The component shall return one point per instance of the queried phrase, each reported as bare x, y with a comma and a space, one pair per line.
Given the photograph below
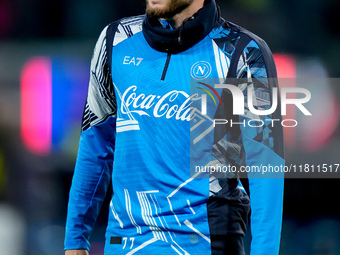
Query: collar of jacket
188, 34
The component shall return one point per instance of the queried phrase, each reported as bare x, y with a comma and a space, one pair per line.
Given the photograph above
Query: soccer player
143, 127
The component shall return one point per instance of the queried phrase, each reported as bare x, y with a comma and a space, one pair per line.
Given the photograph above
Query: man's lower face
166, 8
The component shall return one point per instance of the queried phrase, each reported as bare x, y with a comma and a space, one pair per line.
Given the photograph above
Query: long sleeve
94, 162
263, 146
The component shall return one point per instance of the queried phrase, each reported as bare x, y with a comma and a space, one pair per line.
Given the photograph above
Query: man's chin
158, 11
157, 8
165, 9
159, 14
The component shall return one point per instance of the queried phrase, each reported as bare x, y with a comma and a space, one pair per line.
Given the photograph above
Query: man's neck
177, 20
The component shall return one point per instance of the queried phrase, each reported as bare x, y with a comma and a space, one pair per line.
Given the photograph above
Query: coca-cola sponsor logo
174, 104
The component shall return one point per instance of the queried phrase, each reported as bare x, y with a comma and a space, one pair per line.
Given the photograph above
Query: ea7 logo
132, 61
238, 100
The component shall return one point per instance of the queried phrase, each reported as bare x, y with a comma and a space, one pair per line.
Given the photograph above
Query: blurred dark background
45, 52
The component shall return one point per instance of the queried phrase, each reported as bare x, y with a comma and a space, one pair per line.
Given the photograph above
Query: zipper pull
179, 39
180, 36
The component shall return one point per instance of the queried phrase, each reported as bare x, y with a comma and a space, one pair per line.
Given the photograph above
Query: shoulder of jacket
248, 35
131, 21
124, 28
230, 31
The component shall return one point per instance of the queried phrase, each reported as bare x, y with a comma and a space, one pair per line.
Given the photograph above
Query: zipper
179, 42
167, 62
181, 28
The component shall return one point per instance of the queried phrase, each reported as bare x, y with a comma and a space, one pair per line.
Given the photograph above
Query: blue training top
143, 125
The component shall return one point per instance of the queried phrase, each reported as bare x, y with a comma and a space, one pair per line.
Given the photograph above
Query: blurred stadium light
36, 105
53, 91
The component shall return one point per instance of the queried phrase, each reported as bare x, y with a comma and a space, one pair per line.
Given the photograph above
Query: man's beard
171, 8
